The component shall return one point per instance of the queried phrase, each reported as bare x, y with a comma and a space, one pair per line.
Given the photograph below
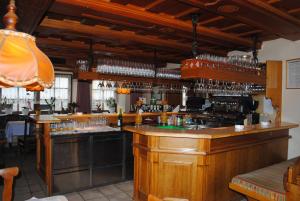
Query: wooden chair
293, 182
27, 142
8, 175
154, 198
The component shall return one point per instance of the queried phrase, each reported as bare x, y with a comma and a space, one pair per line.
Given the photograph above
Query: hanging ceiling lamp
22, 63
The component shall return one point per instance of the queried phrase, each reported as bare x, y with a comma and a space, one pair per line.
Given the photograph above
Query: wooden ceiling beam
181, 35
249, 33
186, 12
145, 16
271, 9
214, 19
121, 36
153, 4
253, 23
81, 46
294, 10
273, 1
232, 26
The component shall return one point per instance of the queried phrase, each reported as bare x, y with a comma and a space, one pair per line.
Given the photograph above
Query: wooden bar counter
199, 164
47, 148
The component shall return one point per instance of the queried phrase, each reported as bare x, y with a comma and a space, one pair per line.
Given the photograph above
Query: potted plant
111, 104
51, 104
6, 106
25, 110
72, 107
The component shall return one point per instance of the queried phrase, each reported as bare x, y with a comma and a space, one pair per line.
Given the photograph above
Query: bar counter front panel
72, 162
199, 168
78, 161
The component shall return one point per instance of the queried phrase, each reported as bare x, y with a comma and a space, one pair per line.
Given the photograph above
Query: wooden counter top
209, 133
56, 118
43, 119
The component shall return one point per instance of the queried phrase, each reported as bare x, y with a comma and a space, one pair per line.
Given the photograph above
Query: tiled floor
28, 184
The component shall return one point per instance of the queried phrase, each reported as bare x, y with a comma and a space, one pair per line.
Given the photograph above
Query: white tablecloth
15, 128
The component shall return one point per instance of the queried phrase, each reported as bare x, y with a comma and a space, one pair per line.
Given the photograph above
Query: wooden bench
279, 182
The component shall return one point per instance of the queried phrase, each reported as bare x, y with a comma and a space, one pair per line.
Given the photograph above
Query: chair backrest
293, 182
15, 117
294, 173
31, 123
8, 175
2, 122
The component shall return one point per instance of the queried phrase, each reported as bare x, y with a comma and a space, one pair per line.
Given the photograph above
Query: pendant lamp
22, 63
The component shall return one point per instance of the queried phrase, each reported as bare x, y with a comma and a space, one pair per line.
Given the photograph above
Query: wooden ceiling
136, 28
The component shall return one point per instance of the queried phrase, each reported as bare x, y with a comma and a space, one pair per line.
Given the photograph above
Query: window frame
101, 100
70, 91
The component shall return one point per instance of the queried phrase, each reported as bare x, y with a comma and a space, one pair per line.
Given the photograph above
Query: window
100, 94
61, 90
18, 97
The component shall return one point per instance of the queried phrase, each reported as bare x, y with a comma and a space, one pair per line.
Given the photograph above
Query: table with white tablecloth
15, 128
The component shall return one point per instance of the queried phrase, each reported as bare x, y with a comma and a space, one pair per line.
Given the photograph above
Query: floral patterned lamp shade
22, 63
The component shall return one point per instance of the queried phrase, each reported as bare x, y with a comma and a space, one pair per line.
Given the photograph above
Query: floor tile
74, 197
125, 186
109, 190
118, 196
99, 199
91, 194
35, 188
22, 190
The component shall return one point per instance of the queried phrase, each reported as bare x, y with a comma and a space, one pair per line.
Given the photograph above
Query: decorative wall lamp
22, 63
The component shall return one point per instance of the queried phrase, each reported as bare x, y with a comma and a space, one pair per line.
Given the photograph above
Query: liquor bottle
120, 119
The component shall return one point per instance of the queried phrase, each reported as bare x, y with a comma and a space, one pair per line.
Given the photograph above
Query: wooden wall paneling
274, 86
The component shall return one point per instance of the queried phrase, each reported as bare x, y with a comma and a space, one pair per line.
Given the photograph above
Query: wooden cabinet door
274, 85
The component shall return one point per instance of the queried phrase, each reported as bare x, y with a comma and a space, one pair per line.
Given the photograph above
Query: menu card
293, 74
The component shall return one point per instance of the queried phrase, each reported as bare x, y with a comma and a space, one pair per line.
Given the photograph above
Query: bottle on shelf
120, 119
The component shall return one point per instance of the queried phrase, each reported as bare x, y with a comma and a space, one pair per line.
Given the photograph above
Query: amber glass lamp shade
121, 90
22, 63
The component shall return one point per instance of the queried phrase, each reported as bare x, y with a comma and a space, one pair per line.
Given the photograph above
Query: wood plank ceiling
136, 28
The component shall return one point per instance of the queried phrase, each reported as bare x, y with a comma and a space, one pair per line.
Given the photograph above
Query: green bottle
120, 118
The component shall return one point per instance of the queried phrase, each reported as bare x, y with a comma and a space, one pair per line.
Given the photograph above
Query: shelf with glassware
230, 69
88, 75
122, 70
235, 76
